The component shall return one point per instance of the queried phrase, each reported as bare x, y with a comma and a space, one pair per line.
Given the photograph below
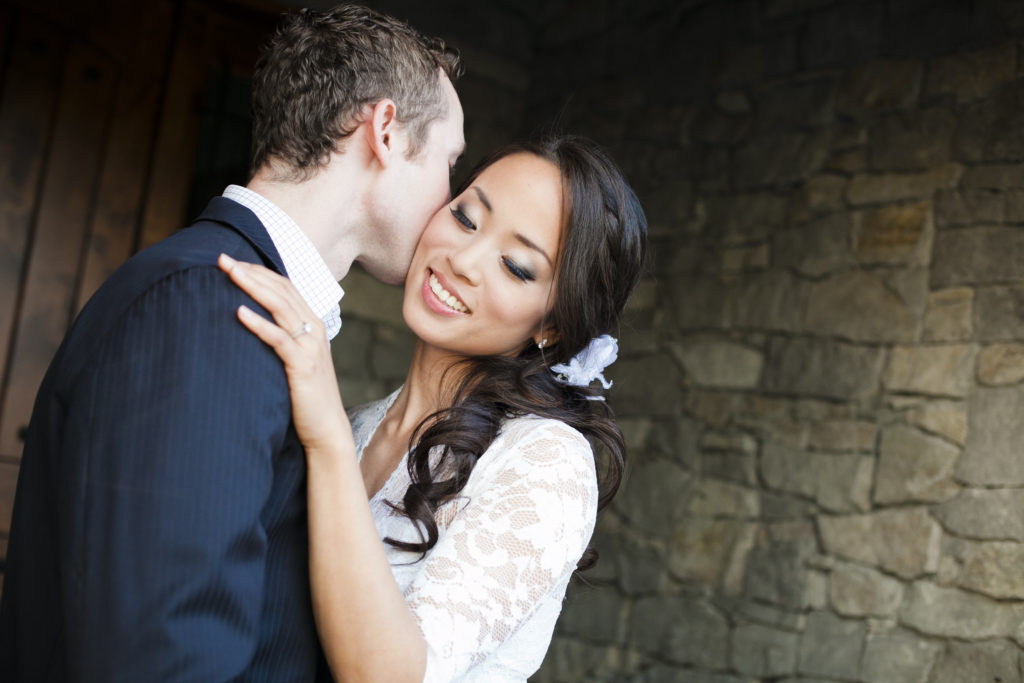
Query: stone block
831, 647
800, 103
836, 482
982, 661
953, 613
991, 129
842, 35
595, 614
822, 368
847, 162
913, 140
895, 234
880, 85
903, 541
992, 453
369, 299
857, 305
740, 259
734, 467
997, 176
781, 159
701, 303
843, 436
898, 656
742, 218
824, 192
646, 386
713, 498
657, 516
772, 300
719, 363
728, 442
570, 660
776, 507
1001, 364
777, 571
968, 208
816, 248
712, 551
764, 652
969, 76
857, 591
391, 354
949, 315
980, 255
914, 467
989, 567
713, 407
945, 370
999, 313
878, 188
984, 514
945, 418
681, 630
675, 439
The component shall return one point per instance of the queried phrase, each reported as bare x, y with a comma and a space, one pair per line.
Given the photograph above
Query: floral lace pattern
488, 594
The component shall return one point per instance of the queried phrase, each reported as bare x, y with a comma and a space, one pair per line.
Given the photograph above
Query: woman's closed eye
517, 271
462, 218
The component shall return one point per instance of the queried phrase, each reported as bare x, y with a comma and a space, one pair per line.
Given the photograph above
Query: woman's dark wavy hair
600, 258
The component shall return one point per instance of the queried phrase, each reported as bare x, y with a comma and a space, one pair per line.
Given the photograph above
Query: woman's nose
466, 261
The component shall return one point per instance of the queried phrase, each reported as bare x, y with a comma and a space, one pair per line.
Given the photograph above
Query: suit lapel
243, 221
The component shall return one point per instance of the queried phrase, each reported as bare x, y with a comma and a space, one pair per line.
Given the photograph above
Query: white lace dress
488, 594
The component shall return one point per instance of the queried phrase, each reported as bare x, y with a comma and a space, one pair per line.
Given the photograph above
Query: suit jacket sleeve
179, 415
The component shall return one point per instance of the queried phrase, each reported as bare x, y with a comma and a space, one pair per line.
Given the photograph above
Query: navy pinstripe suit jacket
159, 529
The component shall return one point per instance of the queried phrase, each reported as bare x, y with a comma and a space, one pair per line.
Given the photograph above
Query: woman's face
482, 277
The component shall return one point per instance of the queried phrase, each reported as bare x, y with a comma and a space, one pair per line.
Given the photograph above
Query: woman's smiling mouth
445, 296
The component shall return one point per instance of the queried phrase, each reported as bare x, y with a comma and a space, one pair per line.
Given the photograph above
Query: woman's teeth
446, 296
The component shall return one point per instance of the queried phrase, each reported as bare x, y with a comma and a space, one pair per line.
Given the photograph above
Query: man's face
417, 188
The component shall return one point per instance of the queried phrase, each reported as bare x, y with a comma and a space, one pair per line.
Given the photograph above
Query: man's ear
383, 123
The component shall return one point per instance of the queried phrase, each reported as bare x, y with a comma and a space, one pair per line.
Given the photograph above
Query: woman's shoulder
544, 444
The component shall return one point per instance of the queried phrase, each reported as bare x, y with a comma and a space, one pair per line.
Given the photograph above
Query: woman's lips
439, 299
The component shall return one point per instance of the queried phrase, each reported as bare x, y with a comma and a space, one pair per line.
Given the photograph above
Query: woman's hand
300, 341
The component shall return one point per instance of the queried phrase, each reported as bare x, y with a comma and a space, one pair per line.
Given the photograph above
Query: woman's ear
383, 122
547, 337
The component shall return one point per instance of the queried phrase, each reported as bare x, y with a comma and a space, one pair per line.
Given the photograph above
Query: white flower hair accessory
590, 363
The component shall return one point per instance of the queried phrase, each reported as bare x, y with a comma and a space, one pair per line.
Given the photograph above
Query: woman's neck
429, 387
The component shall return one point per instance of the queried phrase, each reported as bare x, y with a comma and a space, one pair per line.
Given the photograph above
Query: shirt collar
302, 262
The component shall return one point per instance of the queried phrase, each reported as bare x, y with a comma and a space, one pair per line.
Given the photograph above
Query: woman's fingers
272, 291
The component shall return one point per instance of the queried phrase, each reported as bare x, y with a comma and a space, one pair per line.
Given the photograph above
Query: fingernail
227, 260
245, 312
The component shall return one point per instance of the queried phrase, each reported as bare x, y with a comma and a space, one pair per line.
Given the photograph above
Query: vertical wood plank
26, 109
67, 197
117, 217
167, 191
8, 482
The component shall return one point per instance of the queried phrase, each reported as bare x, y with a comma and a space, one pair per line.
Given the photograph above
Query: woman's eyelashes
514, 269
462, 218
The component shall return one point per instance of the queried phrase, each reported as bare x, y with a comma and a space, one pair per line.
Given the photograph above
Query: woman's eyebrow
532, 245
483, 198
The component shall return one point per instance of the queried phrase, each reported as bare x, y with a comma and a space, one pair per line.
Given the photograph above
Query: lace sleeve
508, 546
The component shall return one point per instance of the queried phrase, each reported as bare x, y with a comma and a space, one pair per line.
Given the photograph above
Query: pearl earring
542, 343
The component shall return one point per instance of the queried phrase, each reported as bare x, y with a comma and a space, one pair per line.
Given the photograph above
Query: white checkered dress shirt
303, 263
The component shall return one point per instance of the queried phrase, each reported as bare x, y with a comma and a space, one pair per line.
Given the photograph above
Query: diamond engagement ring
301, 330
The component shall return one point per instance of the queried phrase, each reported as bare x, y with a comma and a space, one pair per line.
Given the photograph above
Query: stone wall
822, 378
